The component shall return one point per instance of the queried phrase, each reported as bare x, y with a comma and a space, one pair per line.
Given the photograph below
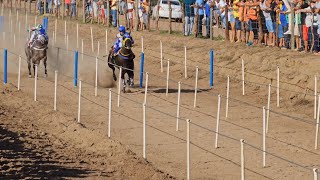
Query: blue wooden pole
141, 69
211, 68
5, 66
1, 23
75, 80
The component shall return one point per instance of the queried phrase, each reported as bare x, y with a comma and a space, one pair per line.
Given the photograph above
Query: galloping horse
37, 52
123, 59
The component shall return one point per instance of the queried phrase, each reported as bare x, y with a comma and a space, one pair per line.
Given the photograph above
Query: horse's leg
29, 67
34, 70
45, 66
123, 81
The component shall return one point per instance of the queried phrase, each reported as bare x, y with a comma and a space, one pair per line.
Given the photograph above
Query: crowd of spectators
267, 22
98, 10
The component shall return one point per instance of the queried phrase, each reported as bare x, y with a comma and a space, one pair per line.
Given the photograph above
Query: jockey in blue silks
37, 31
120, 36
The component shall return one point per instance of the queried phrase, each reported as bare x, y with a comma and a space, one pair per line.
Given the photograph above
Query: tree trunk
196, 22
211, 29
170, 15
292, 29
260, 26
83, 11
226, 33
108, 13
45, 8
157, 20
277, 30
137, 15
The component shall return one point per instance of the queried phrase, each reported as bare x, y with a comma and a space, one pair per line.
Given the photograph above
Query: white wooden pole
55, 90
14, 40
168, 73
264, 136
218, 121
98, 51
242, 160
196, 88
317, 125
278, 86
91, 39
82, 49
67, 44
188, 149
107, 41
35, 81
17, 16
110, 111
161, 56
53, 34
19, 30
65, 32
77, 36
185, 62
96, 79
144, 132
315, 97
228, 93
26, 23
315, 173
146, 88
79, 101
11, 27
19, 72
242, 77
268, 108
178, 106
119, 86
55, 30
142, 48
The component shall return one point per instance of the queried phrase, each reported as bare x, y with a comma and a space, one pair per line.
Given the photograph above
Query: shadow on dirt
19, 159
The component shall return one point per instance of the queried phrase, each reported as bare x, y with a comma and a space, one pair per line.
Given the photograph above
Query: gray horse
37, 52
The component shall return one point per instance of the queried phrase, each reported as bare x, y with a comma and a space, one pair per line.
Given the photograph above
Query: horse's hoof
30, 76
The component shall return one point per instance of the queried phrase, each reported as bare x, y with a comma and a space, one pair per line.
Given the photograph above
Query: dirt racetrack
290, 140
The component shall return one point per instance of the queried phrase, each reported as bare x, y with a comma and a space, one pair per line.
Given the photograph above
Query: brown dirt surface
45, 145
290, 140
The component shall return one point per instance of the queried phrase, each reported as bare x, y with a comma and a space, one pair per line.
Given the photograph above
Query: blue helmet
122, 29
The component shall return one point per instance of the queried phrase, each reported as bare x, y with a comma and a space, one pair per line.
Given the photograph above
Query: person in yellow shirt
114, 9
236, 14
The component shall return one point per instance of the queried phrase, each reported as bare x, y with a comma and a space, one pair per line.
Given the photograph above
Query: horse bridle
124, 43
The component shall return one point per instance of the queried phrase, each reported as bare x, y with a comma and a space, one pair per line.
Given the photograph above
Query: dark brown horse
36, 53
123, 59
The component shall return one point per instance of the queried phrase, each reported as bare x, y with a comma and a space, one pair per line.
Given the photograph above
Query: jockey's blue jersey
118, 44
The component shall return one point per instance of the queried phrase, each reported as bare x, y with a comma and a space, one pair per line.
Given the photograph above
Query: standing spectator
272, 8
57, 4
236, 14
188, 16
269, 24
283, 24
208, 6
253, 22
220, 10
50, 10
143, 16
67, 3
231, 23
73, 9
200, 12
114, 8
95, 10
130, 7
